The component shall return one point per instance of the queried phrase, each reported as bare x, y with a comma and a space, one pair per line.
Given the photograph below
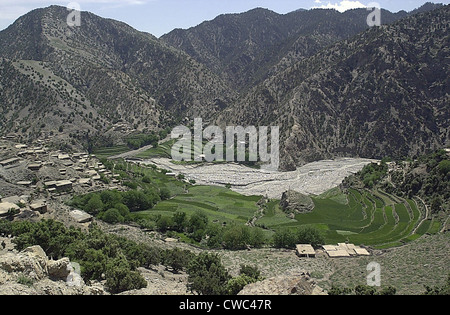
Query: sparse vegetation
336, 91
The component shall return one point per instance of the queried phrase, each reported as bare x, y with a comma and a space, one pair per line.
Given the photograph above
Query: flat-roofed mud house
305, 250
9, 162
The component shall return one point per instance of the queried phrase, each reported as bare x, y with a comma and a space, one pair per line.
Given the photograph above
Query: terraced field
369, 218
372, 218
363, 217
110, 151
218, 203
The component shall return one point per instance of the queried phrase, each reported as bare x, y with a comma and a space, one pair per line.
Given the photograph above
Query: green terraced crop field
106, 152
217, 203
363, 217
370, 218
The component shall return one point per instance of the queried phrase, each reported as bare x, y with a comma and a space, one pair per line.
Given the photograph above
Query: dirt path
134, 153
131, 154
426, 214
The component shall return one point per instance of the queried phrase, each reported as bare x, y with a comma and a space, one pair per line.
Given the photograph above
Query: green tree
236, 284
251, 271
179, 221
247, 275
123, 210
236, 237
336, 290
310, 235
95, 205
164, 223
387, 291
215, 233
151, 256
110, 198
121, 277
444, 290
177, 259
198, 221
284, 238
138, 200
444, 167
436, 204
112, 216
52, 236
207, 275
257, 238
164, 194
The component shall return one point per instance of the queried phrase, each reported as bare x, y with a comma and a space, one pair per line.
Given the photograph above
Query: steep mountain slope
383, 92
118, 72
244, 47
334, 87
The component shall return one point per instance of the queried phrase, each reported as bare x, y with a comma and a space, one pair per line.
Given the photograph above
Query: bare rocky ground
31, 272
313, 178
409, 268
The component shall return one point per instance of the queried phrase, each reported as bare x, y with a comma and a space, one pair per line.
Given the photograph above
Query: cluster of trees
100, 255
439, 290
113, 206
372, 173
200, 230
427, 177
141, 140
288, 238
389, 290
118, 207
208, 276
109, 257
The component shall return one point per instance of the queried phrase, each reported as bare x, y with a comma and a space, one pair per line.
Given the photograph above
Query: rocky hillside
31, 272
300, 284
383, 92
335, 87
244, 47
93, 76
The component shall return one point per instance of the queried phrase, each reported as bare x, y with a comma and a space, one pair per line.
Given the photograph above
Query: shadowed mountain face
335, 87
244, 47
382, 93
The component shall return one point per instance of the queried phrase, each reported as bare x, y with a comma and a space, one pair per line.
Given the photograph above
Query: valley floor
313, 178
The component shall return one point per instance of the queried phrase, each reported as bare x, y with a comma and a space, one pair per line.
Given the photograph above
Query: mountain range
334, 86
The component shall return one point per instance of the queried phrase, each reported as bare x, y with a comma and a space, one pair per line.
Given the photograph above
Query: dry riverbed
313, 178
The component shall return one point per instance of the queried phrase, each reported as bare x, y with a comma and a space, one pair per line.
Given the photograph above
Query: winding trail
426, 214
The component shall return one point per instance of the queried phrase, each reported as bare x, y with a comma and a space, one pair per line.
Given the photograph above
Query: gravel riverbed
313, 178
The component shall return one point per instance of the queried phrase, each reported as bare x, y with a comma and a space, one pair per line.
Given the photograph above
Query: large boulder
31, 262
59, 269
30, 272
293, 202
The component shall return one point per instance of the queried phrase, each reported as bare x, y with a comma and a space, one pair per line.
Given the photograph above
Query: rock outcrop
300, 284
30, 272
294, 202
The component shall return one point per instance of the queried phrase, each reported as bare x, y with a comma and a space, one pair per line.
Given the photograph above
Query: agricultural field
372, 218
363, 217
106, 152
218, 203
